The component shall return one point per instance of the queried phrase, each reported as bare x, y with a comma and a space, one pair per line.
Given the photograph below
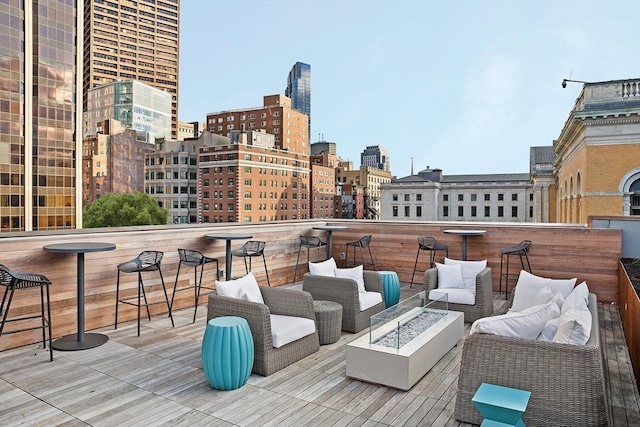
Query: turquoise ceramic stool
227, 352
391, 287
501, 406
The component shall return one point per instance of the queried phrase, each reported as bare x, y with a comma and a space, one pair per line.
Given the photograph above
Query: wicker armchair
287, 302
484, 295
566, 381
345, 292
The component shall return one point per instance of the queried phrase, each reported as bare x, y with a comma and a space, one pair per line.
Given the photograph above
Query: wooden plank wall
557, 251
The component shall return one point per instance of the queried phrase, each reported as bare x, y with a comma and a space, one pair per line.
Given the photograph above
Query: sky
464, 86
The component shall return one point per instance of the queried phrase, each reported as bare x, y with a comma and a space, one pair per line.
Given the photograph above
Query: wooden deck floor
157, 379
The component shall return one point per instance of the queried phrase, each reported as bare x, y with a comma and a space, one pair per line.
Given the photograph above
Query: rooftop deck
157, 379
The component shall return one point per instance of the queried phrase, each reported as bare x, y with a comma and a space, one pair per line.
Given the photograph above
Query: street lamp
564, 82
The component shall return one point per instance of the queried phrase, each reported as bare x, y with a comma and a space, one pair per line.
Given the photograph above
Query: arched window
635, 198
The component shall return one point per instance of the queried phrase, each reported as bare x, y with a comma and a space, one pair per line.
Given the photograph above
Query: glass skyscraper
40, 55
299, 90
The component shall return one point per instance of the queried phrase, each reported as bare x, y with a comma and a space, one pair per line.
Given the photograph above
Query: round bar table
465, 234
329, 229
227, 256
80, 340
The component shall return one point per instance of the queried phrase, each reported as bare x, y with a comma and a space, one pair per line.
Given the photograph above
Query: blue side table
501, 406
227, 352
391, 287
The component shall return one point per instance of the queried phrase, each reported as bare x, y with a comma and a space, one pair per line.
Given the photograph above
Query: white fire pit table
404, 342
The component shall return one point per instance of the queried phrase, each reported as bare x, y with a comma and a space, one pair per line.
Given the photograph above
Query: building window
474, 197
445, 197
514, 197
460, 210
394, 197
418, 211
394, 209
514, 211
407, 211
473, 211
445, 211
500, 196
487, 211
500, 211
531, 197
530, 211
460, 197
487, 197
419, 197
205, 183
407, 197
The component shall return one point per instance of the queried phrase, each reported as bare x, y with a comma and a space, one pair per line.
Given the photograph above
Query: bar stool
191, 258
12, 280
363, 242
308, 242
427, 243
249, 250
146, 261
521, 250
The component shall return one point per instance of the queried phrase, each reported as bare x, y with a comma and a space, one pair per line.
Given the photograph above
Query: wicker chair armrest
430, 279
484, 288
288, 302
336, 289
373, 282
256, 314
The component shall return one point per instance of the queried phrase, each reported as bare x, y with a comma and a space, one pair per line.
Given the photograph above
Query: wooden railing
558, 251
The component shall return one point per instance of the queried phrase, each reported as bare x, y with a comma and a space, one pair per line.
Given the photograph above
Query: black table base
71, 343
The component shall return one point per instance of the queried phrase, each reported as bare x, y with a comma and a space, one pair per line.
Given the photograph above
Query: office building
113, 161
133, 40
376, 156
40, 83
322, 184
137, 106
544, 184
276, 116
432, 196
597, 164
299, 90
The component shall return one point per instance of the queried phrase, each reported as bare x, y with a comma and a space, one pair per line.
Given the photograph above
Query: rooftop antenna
411, 165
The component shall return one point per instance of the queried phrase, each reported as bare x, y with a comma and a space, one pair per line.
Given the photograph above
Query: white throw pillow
354, 273
243, 288
470, 270
524, 324
449, 276
551, 327
574, 327
324, 268
529, 285
578, 298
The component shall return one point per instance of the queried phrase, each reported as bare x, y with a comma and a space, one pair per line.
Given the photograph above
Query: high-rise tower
129, 40
299, 90
40, 118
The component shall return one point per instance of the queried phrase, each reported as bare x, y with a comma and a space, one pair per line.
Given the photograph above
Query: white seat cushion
470, 269
524, 324
456, 296
243, 288
324, 268
286, 329
355, 273
449, 276
369, 299
529, 285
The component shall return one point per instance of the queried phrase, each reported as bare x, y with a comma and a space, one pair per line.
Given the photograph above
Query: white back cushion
524, 324
449, 276
286, 329
470, 270
529, 285
369, 299
243, 288
324, 268
574, 327
354, 273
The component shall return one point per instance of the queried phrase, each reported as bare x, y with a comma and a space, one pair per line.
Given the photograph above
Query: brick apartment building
323, 184
250, 179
